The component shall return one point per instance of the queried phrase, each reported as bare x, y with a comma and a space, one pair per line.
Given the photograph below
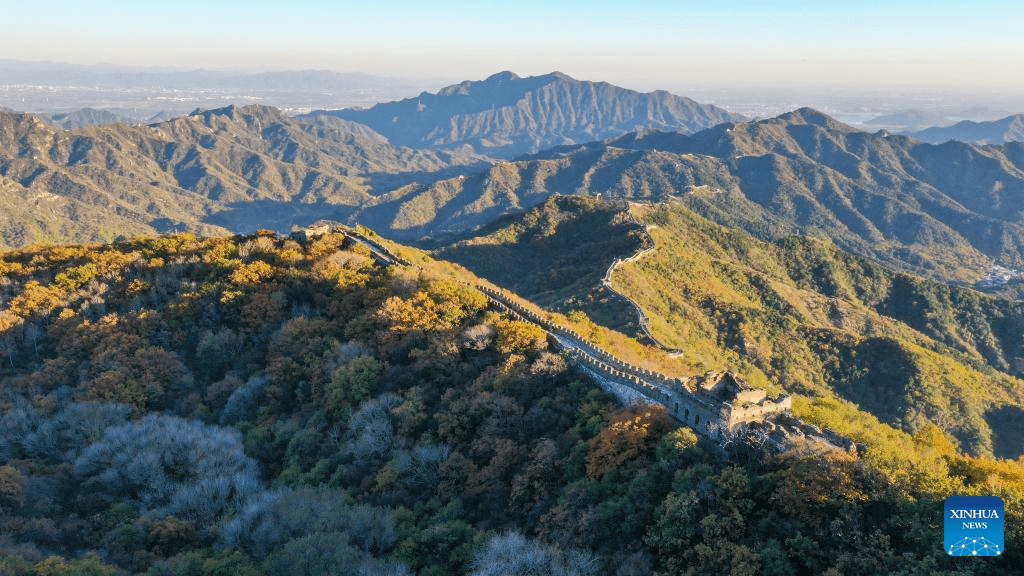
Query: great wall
606, 282
718, 405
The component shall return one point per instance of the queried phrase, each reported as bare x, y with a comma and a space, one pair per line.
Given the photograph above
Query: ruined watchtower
721, 401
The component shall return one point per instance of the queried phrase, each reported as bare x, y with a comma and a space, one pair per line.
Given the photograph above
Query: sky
643, 44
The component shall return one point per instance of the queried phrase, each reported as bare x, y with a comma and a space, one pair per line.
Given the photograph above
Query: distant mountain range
83, 117
942, 210
110, 76
949, 211
250, 167
975, 126
915, 119
1009, 129
505, 115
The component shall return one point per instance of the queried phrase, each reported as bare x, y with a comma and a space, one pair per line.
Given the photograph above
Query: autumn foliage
250, 405
631, 433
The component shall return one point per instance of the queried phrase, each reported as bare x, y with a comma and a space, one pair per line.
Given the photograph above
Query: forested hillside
234, 168
253, 405
556, 255
798, 313
910, 351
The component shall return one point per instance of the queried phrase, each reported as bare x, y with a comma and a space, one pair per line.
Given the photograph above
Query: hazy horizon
753, 59
68, 89
642, 43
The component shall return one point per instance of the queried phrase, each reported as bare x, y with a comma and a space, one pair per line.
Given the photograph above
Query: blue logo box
973, 526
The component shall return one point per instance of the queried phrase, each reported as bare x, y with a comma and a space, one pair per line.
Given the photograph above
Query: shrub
64, 435
24, 432
352, 382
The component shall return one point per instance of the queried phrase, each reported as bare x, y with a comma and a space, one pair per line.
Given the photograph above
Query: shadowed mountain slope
556, 254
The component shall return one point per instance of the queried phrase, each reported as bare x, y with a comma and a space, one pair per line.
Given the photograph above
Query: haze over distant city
791, 52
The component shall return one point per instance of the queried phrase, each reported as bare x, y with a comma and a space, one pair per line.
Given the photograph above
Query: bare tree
513, 553
172, 466
272, 519
371, 426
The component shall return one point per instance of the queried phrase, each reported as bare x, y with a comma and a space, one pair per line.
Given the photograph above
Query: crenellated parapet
711, 404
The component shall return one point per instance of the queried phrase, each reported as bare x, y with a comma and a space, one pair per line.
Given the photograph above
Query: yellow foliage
252, 273
54, 565
632, 432
290, 256
9, 267
517, 337
682, 438
995, 475
440, 306
932, 441
73, 278
136, 286
34, 297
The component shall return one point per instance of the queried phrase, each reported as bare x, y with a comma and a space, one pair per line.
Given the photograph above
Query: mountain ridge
1004, 130
198, 172
797, 312
506, 115
949, 211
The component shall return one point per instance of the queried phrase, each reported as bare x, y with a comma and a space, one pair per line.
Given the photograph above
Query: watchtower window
696, 419
676, 409
686, 417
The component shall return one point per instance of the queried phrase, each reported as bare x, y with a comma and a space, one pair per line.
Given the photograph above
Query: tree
245, 400
62, 436
352, 382
12, 489
512, 553
517, 337
171, 536
372, 430
632, 432
275, 518
173, 467
91, 565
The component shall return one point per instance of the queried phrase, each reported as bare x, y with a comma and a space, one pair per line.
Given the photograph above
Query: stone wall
742, 413
696, 404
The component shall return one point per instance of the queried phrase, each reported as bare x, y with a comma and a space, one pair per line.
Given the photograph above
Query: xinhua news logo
974, 526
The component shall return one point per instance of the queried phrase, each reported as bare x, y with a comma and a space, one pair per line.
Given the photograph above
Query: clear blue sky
637, 43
